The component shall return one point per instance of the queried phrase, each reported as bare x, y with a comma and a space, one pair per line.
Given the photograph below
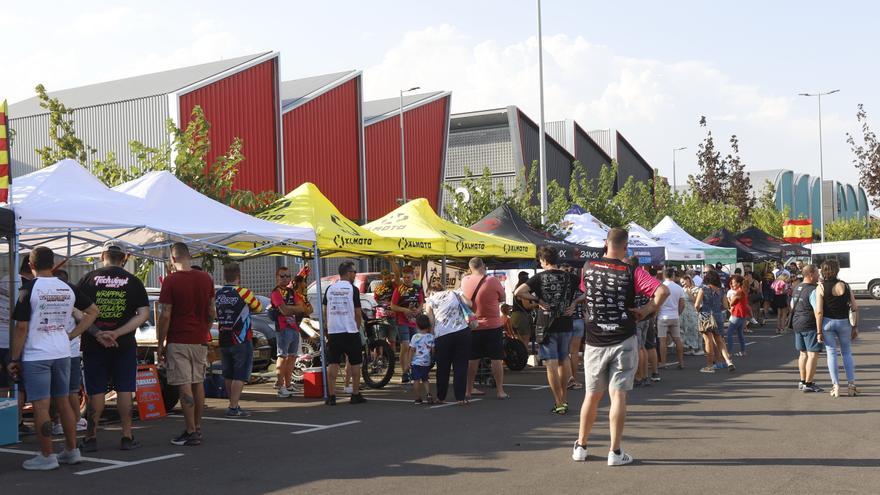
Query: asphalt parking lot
747, 432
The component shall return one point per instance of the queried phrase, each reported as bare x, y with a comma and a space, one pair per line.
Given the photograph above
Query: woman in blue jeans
709, 305
835, 303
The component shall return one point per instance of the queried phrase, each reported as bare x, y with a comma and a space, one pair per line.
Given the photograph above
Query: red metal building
240, 98
426, 118
322, 131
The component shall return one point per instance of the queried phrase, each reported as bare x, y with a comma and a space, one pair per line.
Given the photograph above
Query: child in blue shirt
422, 346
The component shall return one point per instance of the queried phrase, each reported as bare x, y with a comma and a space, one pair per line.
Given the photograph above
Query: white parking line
381, 399
111, 463
127, 464
260, 421
325, 427
438, 406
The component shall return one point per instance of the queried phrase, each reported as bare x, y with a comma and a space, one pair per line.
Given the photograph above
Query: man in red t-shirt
186, 312
487, 341
406, 301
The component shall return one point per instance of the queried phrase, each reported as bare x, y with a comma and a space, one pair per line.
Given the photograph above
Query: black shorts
487, 344
104, 366
5, 381
780, 301
344, 344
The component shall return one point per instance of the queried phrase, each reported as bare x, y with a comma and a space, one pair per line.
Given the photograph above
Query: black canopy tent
505, 222
726, 238
756, 238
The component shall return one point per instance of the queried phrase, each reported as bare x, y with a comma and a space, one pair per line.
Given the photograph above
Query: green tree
62, 133
843, 229
596, 195
867, 157
738, 189
635, 202
765, 215
700, 218
710, 182
481, 196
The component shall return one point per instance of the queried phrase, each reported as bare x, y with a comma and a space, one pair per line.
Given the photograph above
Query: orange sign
149, 393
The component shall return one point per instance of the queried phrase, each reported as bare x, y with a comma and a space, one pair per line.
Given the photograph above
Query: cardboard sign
149, 393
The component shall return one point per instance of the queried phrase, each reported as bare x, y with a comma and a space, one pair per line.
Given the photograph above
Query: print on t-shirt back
608, 286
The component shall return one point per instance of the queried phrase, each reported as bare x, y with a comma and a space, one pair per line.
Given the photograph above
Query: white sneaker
579, 454
82, 424
284, 393
57, 429
348, 389
41, 463
619, 460
70, 457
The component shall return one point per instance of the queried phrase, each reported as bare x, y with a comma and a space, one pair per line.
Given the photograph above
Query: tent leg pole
322, 333
443, 281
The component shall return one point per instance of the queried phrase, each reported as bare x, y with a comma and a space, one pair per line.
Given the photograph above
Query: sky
648, 69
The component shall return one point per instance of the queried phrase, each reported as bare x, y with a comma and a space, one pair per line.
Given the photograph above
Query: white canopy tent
638, 235
66, 208
195, 218
671, 234
585, 229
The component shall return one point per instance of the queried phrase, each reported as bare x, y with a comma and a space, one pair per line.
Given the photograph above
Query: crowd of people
611, 319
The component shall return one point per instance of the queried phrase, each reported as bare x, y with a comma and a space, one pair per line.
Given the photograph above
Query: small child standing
422, 345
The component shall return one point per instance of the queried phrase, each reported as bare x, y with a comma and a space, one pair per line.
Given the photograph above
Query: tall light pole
674, 184
403, 144
542, 144
821, 164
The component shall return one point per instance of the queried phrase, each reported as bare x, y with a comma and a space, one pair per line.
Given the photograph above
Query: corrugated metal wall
559, 131
589, 153
103, 127
605, 138
558, 160
630, 164
243, 105
321, 145
425, 139
478, 149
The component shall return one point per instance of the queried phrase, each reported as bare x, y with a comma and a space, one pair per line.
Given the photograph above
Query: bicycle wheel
378, 367
516, 356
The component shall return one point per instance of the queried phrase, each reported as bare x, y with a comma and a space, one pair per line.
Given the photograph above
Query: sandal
502, 397
560, 409
430, 399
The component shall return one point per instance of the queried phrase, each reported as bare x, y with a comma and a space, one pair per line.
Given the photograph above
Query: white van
859, 263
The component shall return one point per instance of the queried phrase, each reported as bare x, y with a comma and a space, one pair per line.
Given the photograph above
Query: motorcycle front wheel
378, 366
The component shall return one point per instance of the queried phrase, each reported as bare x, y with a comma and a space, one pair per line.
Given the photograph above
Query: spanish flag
798, 231
4, 154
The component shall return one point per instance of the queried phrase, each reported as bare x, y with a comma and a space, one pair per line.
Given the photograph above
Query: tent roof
585, 229
669, 232
307, 207
726, 238
175, 207
758, 239
639, 234
505, 222
419, 232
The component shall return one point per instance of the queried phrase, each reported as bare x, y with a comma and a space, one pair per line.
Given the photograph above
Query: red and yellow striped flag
4, 154
798, 231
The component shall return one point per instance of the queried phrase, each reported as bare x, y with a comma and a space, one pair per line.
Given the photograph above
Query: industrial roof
480, 118
297, 89
130, 88
376, 110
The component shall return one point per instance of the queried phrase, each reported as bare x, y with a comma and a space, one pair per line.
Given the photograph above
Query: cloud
655, 103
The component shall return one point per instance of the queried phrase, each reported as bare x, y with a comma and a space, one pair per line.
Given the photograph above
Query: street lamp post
821, 164
542, 144
403, 144
674, 184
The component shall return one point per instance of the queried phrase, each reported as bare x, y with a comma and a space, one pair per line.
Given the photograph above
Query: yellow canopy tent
306, 206
418, 232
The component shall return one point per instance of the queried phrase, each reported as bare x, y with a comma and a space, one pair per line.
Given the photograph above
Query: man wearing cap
109, 347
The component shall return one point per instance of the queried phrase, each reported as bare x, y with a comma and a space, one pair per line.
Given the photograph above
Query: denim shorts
556, 347
76, 375
807, 341
238, 360
578, 328
404, 333
288, 343
420, 373
117, 365
45, 379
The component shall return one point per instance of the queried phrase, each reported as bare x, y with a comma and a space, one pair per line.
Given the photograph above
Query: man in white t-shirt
41, 353
668, 318
342, 314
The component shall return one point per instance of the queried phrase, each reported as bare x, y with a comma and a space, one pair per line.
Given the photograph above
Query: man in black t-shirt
109, 347
554, 290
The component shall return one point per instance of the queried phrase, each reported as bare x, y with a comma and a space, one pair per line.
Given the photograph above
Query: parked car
148, 345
